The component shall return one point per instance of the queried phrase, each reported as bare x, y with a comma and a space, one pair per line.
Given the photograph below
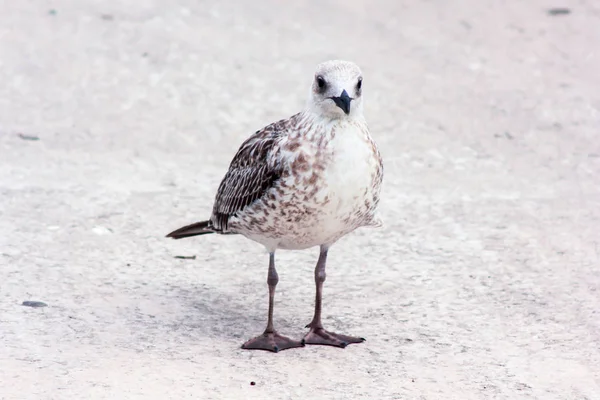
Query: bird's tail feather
198, 228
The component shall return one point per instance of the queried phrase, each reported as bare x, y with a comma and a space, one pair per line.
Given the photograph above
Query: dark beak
343, 102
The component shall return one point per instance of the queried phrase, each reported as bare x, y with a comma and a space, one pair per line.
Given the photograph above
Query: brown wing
251, 173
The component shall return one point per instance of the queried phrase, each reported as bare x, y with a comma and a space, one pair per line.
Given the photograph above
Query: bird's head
336, 91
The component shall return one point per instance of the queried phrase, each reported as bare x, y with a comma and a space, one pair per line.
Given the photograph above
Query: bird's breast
350, 176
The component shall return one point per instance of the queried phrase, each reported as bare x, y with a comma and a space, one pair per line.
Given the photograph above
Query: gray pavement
483, 284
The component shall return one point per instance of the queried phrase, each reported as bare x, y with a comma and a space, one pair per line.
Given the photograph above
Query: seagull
303, 182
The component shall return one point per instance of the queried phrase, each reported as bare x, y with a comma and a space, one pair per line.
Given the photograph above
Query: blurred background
118, 120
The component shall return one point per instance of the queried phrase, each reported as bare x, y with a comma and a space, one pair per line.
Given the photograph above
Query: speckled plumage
303, 181
318, 182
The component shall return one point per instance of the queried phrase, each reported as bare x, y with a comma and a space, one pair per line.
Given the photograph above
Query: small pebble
35, 304
28, 137
559, 11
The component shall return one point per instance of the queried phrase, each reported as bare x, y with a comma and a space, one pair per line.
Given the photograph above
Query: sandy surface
484, 283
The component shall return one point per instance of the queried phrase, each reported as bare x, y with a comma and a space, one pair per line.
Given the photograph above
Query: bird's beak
343, 101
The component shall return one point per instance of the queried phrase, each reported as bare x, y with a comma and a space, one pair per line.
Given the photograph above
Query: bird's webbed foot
271, 341
323, 337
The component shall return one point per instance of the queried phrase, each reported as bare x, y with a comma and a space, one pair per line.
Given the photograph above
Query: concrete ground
484, 282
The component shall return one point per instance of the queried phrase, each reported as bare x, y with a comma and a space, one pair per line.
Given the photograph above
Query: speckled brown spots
319, 167
300, 164
320, 142
284, 206
293, 145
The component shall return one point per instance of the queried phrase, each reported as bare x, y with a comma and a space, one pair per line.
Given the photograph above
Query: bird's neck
318, 127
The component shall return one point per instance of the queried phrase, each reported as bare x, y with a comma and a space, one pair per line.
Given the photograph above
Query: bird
303, 182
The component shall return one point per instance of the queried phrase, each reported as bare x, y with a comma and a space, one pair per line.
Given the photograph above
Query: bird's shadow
206, 311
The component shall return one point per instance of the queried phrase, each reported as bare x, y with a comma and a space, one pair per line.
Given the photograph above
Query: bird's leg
270, 339
318, 335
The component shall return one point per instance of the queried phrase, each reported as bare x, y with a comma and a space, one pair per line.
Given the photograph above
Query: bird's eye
321, 82
359, 84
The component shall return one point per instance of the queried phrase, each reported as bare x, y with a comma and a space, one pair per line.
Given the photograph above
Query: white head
336, 91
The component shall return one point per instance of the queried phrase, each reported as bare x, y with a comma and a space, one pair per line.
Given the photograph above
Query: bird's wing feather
251, 173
